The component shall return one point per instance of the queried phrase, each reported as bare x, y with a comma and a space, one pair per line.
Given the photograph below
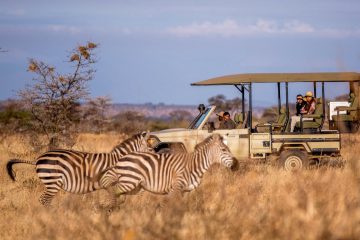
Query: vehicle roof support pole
323, 102
250, 106
243, 102
287, 104
279, 97
242, 90
354, 87
314, 89
287, 98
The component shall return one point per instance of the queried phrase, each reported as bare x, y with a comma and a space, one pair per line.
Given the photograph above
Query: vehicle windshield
199, 119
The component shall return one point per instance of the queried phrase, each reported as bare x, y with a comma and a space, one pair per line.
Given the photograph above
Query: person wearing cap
227, 122
309, 108
220, 115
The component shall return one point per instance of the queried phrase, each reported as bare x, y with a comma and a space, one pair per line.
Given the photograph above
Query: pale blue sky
152, 50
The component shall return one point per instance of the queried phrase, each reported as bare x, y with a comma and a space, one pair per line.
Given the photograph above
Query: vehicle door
236, 139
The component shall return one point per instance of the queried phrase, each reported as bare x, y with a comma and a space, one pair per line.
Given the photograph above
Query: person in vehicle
308, 108
300, 103
227, 122
220, 119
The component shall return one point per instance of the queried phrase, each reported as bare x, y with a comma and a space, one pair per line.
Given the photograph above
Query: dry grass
257, 202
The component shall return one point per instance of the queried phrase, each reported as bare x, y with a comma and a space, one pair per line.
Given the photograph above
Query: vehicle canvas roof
281, 77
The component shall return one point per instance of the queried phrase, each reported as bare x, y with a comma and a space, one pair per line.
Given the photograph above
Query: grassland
256, 202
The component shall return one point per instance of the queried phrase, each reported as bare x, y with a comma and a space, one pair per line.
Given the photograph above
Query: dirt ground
257, 202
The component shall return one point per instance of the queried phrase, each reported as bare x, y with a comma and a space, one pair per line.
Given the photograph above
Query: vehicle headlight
225, 141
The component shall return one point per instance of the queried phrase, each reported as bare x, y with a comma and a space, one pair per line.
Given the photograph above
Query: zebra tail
11, 162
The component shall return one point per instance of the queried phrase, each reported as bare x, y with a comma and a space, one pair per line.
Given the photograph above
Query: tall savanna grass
257, 202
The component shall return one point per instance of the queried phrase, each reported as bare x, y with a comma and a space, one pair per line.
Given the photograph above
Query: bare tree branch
54, 97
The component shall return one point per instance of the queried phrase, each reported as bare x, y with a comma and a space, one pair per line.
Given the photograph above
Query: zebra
165, 173
72, 170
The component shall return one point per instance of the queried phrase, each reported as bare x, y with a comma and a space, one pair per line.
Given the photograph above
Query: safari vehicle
312, 143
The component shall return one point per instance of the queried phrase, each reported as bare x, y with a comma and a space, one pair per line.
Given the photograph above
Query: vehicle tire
292, 160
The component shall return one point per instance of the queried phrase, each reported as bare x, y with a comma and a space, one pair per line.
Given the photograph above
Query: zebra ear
145, 134
217, 137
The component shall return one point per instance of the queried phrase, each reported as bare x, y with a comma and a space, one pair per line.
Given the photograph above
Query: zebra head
222, 153
141, 140
136, 143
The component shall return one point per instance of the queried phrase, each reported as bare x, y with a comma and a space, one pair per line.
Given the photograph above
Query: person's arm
304, 108
312, 108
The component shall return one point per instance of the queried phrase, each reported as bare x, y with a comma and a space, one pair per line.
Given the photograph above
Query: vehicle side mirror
211, 127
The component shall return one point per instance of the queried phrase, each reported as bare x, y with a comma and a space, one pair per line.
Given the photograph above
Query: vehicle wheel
292, 160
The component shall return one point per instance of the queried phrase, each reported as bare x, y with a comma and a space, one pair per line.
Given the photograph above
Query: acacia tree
53, 98
13, 118
95, 113
224, 104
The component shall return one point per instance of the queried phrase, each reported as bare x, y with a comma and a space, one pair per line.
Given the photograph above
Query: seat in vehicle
277, 126
351, 111
239, 120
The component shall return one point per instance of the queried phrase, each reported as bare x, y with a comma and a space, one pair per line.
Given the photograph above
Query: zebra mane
207, 141
133, 138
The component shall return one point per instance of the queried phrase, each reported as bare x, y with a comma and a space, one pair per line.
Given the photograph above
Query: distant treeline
96, 118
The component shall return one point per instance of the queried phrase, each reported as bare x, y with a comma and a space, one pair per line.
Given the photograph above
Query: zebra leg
175, 193
47, 196
111, 203
140, 192
122, 187
117, 185
117, 191
121, 199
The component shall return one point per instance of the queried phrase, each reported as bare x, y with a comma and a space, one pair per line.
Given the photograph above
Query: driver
227, 122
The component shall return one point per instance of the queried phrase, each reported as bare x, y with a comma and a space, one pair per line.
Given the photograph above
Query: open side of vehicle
311, 143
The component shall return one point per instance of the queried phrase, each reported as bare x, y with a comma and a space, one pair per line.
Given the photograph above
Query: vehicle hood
174, 134
171, 130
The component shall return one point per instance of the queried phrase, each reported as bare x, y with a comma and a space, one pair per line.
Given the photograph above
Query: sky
151, 51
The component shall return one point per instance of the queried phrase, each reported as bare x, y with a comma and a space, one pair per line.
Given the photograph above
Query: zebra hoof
158, 209
109, 211
121, 199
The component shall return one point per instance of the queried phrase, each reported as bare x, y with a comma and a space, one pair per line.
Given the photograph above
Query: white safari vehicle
311, 143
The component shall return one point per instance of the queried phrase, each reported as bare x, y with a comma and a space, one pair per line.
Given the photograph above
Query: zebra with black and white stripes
166, 173
73, 171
